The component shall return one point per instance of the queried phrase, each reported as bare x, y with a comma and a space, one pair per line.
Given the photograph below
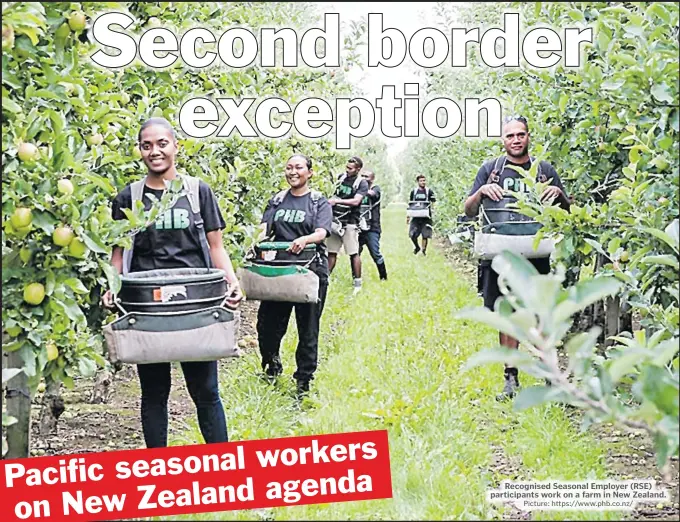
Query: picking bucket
172, 315
418, 209
277, 275
506, 228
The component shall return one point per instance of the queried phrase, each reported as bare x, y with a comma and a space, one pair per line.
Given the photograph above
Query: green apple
21, 218
27, 152
62, 236
64, 186
7, 37
77, 21
77, 248
95, 139
34, 293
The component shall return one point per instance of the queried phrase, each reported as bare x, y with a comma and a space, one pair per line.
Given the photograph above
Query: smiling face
158, 147
297, 172
421, 182
516, 139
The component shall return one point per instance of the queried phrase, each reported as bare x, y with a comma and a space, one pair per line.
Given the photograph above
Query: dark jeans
201, 379
487, 279
272, 323
371, 239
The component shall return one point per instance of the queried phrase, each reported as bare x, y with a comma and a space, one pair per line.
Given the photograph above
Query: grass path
391, 358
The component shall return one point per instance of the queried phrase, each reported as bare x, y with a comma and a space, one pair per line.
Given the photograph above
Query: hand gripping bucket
173, 315
506, 229
277, 275
418, 209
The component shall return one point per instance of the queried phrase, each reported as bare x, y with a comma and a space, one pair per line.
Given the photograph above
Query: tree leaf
71, 308
666, 351
661, 93
667, 260
486, 316
626, 363
513, 358
591, 291
663, 236
533, 396
112, 276
95, 246
45, 221
87, 367
28, 356
612, 85
76, 285
10, 105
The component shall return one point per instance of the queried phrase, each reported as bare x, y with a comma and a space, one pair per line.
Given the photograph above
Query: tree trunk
612, 318
598, 307
52, 408
626, 318
18, 406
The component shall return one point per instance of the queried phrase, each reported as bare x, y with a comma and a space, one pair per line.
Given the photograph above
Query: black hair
356, 160
306, 158
156, 121
420, 176
518, 118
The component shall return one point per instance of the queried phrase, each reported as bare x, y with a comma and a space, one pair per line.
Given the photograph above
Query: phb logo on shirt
290, 216
515, 185
173, 219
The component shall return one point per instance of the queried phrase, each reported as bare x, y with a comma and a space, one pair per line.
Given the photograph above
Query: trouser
272, 323
201, 379
371, 239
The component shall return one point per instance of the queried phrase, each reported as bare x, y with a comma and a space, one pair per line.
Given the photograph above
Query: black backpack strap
316, 196
191, 187
495, 175
540, 177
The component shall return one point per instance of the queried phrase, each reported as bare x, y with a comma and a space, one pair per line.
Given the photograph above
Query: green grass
391, 358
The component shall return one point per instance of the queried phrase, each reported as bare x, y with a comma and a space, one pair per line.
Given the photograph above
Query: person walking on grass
494, 178
370, 210
349, 193
174, 241
301, 217
421, 226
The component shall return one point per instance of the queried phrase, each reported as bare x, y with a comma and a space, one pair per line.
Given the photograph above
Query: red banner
198, 479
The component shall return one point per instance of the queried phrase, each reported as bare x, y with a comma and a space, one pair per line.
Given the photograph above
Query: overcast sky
407, 17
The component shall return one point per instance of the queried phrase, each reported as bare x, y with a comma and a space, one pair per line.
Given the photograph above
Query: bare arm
354, 202
117, 263
219, 255
117, 259
221, 260
315, 238
472, 203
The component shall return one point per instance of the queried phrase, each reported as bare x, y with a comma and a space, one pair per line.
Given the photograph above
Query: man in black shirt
370, 209
491, 184
349, 193
421, 226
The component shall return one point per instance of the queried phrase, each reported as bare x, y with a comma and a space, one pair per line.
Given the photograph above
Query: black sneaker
273, 368
424, 252
302, 389
511, 385
416, 250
